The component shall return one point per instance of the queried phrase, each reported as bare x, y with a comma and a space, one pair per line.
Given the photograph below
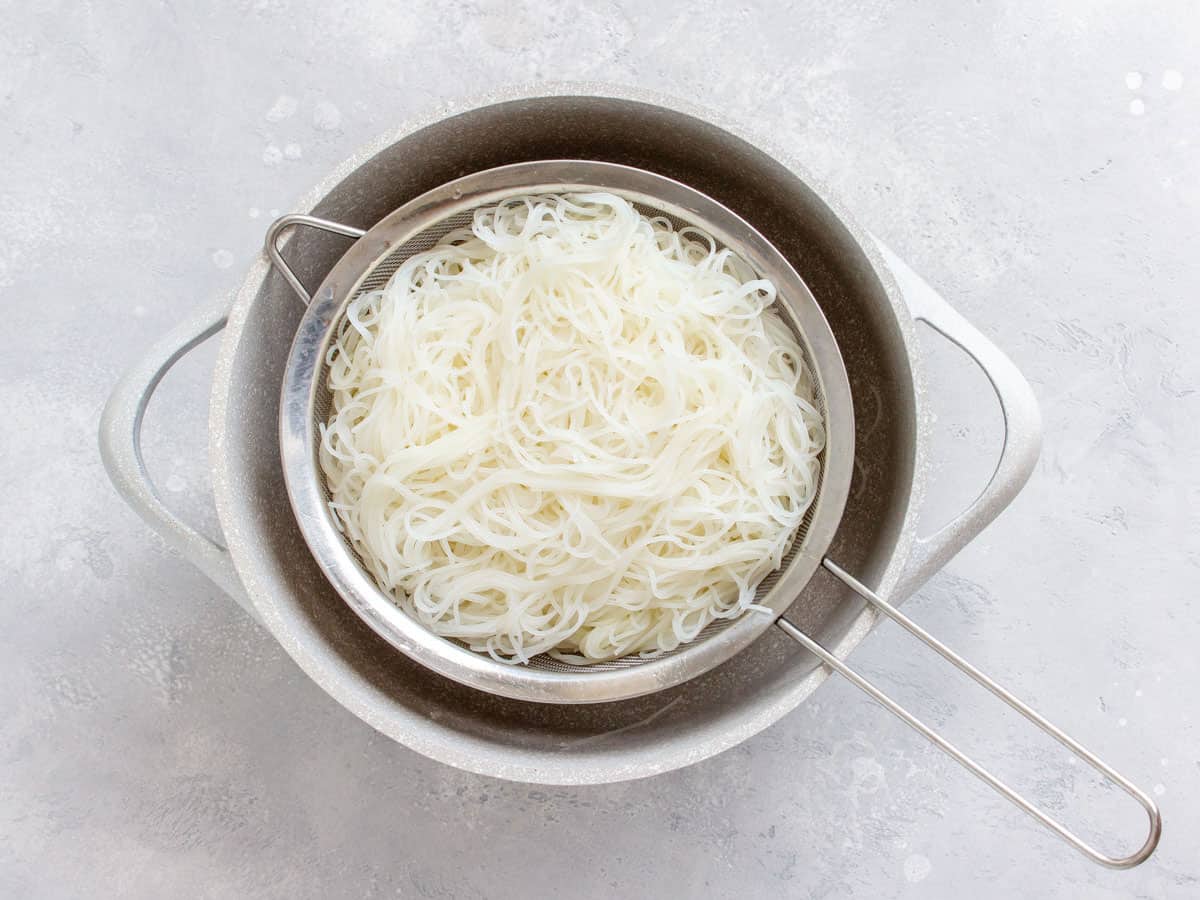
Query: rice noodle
570, 429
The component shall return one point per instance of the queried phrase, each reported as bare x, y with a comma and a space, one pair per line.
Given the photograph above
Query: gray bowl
869, 297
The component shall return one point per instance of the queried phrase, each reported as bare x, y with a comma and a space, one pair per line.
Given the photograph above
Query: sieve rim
302, 386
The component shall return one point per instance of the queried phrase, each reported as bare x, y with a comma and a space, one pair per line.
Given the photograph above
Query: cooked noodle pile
570, 429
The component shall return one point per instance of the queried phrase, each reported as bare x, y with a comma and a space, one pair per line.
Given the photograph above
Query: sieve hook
286, 223
1112, 862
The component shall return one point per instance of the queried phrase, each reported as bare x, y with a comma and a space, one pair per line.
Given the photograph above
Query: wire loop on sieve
286, 223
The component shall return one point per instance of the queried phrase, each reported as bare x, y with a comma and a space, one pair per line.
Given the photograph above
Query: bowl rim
470, 752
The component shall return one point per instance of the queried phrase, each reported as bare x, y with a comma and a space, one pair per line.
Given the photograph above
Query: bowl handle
121, 449
1022, 425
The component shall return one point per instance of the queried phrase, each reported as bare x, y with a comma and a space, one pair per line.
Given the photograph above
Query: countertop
1038, 166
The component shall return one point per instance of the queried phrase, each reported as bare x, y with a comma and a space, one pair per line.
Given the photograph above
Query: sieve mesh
376, 276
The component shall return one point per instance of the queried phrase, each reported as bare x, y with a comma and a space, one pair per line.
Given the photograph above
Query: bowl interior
531, 741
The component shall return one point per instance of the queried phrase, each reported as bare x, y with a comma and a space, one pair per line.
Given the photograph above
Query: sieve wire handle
1018, 406
121, 449
1112, 862
287, 223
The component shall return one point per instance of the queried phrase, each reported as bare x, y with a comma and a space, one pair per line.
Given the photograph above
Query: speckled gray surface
1038, 167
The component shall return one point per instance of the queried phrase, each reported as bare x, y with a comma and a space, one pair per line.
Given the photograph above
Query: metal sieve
417, 226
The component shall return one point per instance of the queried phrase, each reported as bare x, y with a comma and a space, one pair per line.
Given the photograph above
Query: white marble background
1040, 166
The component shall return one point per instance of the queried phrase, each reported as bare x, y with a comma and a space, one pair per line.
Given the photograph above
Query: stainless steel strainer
417, 226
